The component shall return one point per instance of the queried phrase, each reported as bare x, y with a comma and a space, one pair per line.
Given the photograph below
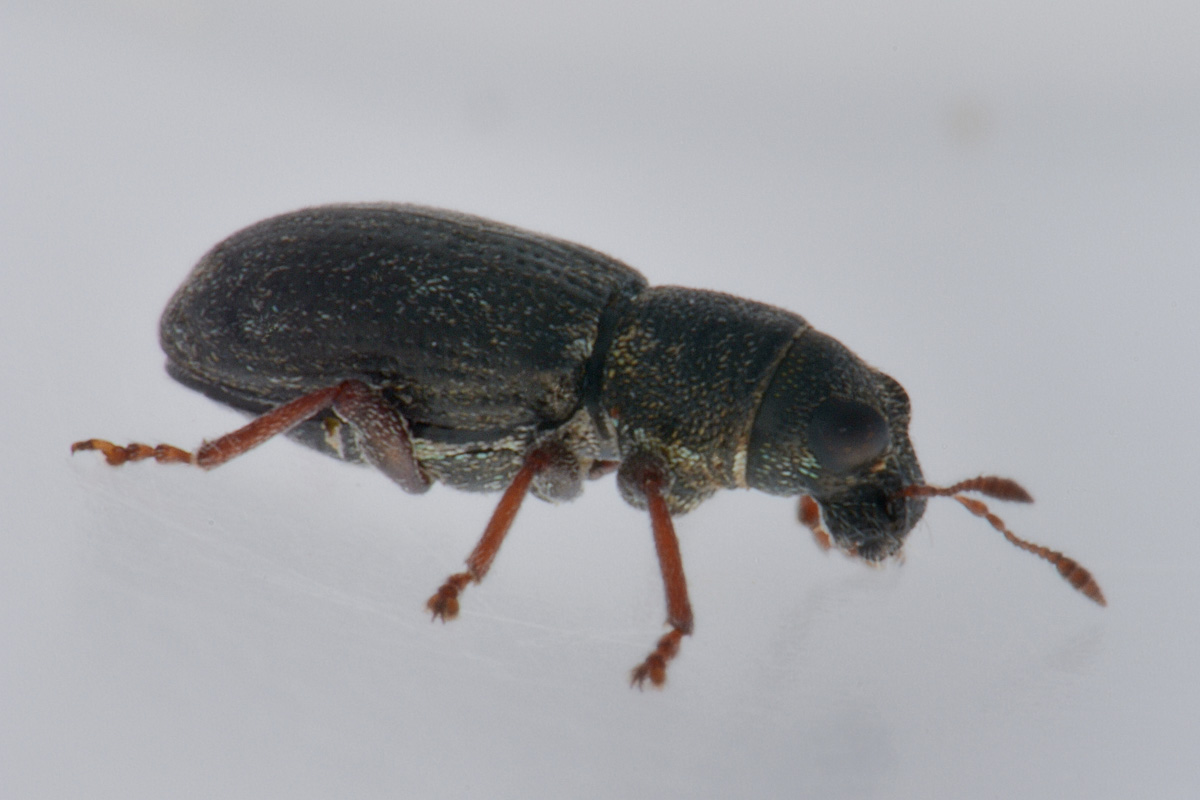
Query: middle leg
444, 603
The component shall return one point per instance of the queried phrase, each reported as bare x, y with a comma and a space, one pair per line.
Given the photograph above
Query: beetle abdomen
467, 324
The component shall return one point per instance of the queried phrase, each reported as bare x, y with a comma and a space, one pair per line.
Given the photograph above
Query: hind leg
383, 434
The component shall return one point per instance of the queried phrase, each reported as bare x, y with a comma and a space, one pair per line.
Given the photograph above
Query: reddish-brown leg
679, 608
385, 435
810, 517
444, 603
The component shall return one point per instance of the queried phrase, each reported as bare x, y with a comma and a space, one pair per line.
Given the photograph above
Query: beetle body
439, 346
487, 338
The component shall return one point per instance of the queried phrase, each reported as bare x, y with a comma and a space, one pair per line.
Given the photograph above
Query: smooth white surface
1000, 206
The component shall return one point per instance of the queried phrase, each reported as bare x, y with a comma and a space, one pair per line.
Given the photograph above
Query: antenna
1005, 489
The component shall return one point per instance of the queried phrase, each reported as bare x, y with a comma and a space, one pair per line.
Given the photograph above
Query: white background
998, 204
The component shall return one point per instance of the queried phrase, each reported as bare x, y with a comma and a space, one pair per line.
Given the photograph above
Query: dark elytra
439, 346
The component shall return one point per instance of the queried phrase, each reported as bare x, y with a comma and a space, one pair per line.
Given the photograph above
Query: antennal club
1005, 489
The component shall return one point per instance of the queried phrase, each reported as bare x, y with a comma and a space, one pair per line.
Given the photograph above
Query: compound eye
845, 434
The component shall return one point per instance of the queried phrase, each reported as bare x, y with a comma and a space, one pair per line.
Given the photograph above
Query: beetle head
831, 427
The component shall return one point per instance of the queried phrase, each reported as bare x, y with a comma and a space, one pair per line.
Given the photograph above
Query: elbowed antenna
1005, 489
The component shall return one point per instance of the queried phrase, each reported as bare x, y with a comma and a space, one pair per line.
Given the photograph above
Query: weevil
439, 346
